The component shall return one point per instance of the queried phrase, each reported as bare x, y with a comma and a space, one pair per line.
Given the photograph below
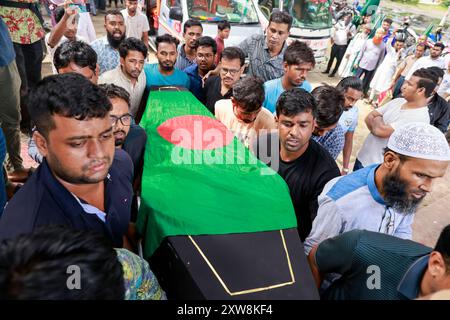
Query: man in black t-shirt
221, 87
303, 163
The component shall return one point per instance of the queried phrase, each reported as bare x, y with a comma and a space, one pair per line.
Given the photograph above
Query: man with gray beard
384, 197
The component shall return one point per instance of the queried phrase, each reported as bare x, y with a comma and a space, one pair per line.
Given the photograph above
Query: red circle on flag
195, 132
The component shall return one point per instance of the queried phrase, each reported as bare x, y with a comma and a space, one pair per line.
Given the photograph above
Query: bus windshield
235, 11
310, 14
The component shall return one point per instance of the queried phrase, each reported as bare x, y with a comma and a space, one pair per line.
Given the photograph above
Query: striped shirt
261, 64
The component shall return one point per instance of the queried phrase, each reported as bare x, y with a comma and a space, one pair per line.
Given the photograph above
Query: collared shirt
274, 88
7, 53
24, 26
370, 55
245, 132
155, 78
213, 87
196, 82
108, 58
135, 25
371, 151
118, 78
354, 202
341, 32
261, 64
349, 119
333, 141
401, 265
43, 200
182, 60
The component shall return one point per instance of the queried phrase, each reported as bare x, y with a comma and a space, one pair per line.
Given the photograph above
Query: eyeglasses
232, 72
204, 56
125, 119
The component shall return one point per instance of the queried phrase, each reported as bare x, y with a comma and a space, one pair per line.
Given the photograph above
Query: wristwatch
346, 170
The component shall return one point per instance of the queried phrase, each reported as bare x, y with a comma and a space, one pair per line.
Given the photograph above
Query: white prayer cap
420, 140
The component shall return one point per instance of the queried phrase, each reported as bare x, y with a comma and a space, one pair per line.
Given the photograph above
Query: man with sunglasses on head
243, 114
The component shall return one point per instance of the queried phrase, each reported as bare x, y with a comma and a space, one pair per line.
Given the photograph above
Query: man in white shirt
65, 30
433, 60
128, 73
135, 21
343, 31
243, 114
383, 121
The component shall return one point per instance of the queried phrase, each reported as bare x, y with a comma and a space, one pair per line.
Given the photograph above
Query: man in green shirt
376, 266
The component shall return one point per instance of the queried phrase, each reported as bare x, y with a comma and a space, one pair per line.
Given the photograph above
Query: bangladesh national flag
199, 179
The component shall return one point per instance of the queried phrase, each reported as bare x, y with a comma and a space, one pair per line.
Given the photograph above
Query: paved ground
433, 214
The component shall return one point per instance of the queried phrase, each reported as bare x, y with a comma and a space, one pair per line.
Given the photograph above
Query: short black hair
113, 92
281, 17
191, 23
437, 71
69, 95
294, 101
59, 13
231, 53
249, 91
77, 52
330, 105
350, 82
428, 80
224, 24
206, 41
443, 246
167, 38
132, 44
297, 53
114, 12
388, 20
38, 266
440, 45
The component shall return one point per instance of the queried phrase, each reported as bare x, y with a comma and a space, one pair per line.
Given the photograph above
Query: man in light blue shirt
298, 60
384, 197
164, 73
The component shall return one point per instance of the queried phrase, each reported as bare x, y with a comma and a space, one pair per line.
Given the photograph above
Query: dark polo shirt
212, 90
43, 200
356, 254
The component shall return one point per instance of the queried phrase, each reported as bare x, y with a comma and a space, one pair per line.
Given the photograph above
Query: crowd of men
85, 136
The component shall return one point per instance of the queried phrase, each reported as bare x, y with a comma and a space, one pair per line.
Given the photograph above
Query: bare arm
370, 118
59, 29
347, 152
314, 269
381, 129
145, 39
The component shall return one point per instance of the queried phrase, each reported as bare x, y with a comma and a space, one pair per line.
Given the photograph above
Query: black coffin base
252, 266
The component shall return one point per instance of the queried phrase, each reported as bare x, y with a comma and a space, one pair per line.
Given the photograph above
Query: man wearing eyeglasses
221, 87
204, 62
243, 114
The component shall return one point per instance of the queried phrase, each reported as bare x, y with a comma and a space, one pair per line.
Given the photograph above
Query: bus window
309, 14
267, 6
235, 11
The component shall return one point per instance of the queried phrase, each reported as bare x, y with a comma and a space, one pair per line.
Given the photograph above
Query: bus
312, 21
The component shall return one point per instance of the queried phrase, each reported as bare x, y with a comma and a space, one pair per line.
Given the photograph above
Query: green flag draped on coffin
199, 179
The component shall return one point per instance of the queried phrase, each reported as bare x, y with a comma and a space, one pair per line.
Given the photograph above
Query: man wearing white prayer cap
384, 197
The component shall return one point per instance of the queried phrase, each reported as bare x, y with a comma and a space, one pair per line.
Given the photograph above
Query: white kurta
383, 76
345, 69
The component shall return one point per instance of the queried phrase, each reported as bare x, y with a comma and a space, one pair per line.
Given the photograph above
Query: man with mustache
83, 182
127, 135
303, 163
204, 62
107, 46
187, 52
221, 87
433, 60
164, 72
244, 114
298, 61
384, 197
128, 74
